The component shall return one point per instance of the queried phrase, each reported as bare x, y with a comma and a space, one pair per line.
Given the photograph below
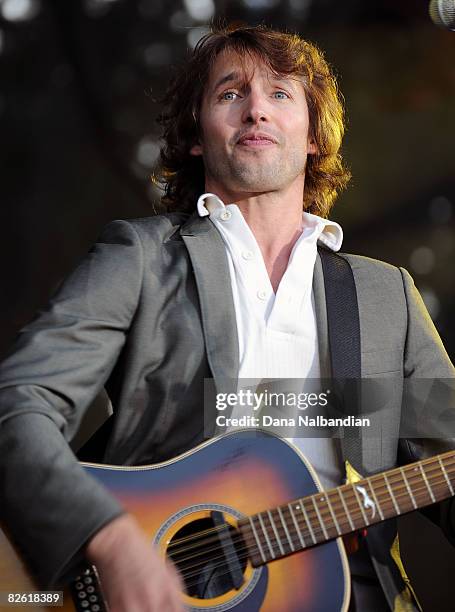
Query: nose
255, 109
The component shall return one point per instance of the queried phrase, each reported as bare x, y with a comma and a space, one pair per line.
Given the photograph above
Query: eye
229, 95
281, 95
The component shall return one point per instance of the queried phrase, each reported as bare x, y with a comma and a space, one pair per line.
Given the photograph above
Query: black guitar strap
344, 344
345, 356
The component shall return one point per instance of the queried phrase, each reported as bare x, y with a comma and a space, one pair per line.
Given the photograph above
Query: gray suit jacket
148, 315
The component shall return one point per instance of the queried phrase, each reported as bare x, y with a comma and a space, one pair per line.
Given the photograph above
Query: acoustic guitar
246, 523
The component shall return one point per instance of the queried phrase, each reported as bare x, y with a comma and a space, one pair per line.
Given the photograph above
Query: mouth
256, 140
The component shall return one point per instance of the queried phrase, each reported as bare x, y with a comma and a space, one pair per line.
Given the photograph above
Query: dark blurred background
79, 139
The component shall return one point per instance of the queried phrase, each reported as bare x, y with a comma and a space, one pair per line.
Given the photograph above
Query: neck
275, 218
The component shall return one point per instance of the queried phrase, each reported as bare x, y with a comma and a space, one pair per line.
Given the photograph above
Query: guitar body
237, 475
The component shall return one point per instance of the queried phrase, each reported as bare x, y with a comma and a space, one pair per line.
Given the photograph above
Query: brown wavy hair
182, 175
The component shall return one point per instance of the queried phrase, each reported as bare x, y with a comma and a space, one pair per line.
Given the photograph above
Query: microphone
442, 13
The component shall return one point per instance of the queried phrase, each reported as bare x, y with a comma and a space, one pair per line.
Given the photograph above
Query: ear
312, 148
196, 149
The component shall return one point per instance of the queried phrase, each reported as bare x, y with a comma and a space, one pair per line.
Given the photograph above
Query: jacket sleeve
50, 506
429, 377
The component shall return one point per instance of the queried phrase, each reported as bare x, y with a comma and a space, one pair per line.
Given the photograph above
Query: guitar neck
305, 522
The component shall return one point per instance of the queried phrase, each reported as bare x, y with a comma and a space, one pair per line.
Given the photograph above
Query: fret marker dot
297, 507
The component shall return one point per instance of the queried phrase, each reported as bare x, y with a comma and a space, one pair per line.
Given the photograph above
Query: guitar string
336, 506
238, 537
390, 473
354, 514
317, 531
190, 575
346, 489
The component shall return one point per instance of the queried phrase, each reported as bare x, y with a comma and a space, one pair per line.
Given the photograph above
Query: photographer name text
266, 420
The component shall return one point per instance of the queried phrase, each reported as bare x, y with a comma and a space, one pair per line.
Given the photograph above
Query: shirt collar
208, 203
330, 232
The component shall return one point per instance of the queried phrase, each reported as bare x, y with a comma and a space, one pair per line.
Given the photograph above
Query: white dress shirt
277, 333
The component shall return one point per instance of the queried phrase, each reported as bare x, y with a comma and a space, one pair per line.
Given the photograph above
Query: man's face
254, 129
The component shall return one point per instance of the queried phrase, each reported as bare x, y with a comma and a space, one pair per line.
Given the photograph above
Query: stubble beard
252, 174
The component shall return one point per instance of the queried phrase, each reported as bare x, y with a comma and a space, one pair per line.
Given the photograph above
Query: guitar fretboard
305, 522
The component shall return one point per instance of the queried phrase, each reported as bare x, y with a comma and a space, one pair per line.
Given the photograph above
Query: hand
133, 576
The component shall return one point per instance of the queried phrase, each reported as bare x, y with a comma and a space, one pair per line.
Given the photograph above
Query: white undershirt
277, 333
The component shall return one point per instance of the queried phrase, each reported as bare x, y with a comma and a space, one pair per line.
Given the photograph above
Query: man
252, 131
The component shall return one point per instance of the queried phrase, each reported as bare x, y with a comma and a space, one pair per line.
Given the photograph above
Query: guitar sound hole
208, 568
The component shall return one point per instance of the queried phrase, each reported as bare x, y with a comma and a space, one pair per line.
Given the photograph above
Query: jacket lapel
211, 269
354, 447
320, 308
